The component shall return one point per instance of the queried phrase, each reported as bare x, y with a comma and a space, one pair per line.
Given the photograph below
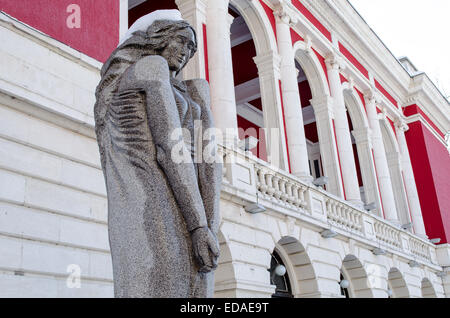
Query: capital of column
268, 64
372, 97
323, 105
401, 125
334, 62
230, 20
383, 114
363, 135
190, 7
284, 15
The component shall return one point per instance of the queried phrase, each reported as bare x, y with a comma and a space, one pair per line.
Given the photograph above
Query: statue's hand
206, 249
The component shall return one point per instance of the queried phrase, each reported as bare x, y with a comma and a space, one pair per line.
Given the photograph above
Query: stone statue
162, 215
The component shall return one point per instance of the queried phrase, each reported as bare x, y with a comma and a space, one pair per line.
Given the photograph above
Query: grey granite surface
163, 216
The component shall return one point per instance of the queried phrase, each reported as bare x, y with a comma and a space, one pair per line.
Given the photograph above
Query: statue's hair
141, 44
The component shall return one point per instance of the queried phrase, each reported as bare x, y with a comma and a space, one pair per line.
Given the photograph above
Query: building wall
431, 162
98, 32
53, 209
53, 206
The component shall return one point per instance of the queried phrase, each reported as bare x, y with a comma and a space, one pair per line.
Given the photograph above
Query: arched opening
427, 289
397, 284
139, 8
395, 171
299, 267
225, 272
309, 123
356, 157
279, 277
362, 152
344, 285
318, 122
353, 270
249, 106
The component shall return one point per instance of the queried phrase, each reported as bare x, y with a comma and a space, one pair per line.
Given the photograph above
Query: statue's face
180, 49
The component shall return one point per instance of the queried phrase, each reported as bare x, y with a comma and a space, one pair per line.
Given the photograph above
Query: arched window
279, 278
344, 289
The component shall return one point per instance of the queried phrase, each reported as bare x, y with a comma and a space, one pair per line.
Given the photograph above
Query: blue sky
418, 29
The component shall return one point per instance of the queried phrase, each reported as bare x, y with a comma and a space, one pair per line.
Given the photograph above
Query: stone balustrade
252, 180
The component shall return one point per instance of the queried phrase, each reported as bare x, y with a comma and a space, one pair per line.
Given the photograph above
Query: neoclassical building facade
336, 165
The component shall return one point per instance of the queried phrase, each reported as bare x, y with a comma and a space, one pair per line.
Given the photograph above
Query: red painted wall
303, 10
250, 129
385, 93
431, 166
324, 65
353, 60
363, 100
271, 17
414, 109
355, 153
296, 37
244, 68
311, 132
98, 35
147, 7
305, 93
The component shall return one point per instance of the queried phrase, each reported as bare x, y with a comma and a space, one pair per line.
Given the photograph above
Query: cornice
48, 42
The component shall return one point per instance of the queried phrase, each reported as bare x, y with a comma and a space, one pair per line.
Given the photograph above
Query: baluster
262, 181
269, 183
334, 208
295, 196
339, 213
276, 185
301, 192
352, 219
290, 197
284, 195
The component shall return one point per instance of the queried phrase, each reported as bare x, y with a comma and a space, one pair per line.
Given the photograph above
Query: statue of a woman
162, 215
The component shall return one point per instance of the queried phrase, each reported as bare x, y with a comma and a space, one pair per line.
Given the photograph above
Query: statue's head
163, 33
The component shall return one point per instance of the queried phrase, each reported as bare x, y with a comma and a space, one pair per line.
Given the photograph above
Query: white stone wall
313, 263
53, 208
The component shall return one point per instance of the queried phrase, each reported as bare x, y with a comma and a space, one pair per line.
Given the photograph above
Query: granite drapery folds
163, 214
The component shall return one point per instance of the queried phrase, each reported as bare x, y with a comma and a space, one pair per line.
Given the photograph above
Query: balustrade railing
276, 187
285, 190
343, 216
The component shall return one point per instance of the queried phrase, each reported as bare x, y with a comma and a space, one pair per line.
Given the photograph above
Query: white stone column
123, 18
194, 11
384, 177
223, 101
368, 173
323, 110
268, 65
343, 138
295, 131
410, 183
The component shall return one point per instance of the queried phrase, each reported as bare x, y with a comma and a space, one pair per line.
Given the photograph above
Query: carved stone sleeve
209, 168
151, 74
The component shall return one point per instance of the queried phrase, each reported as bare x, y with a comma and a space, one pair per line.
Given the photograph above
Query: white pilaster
384, 177
410, 183
298, 153
223, 102
268, 65
368, 173
344, 141
123, 18
323, 110
194, 11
